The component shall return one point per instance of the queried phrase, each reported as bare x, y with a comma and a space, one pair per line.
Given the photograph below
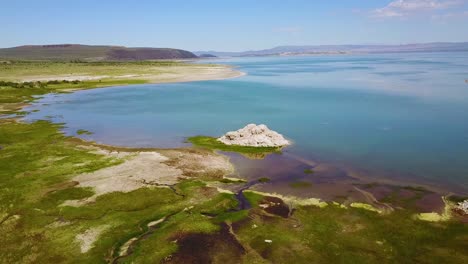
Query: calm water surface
399, 115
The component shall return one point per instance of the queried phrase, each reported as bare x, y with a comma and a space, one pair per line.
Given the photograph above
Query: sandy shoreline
197, 73
169, 74
151, 74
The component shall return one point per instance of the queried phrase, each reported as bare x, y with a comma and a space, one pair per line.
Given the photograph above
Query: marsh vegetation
165, 224
194, 218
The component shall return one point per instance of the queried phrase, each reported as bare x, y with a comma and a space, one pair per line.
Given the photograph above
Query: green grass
37, 163
232, 216
36, 156
253, 198
236, 181
309, 171
336, 235
185, 222
212, 143
17, 70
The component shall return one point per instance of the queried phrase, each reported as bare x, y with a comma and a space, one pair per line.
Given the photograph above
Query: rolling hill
91, 53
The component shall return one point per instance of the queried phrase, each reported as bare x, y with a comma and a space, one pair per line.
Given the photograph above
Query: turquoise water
402, 115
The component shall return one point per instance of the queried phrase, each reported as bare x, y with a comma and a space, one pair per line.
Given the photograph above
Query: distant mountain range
91, 53
120, 53
345, 49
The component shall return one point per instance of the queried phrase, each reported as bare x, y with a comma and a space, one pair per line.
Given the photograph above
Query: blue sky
232, 25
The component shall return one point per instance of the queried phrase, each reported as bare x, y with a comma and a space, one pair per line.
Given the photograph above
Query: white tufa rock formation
463, 206
254, 136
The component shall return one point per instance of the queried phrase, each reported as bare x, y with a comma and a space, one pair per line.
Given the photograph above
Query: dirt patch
220, 247
88, 237
10, 107
150, 169
201, 164
275, 206
60, 186
139, 170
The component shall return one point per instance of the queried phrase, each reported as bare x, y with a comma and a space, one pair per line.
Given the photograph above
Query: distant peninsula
292, 50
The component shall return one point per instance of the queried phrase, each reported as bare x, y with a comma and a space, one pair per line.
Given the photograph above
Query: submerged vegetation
83, 132
264, 180
300, 184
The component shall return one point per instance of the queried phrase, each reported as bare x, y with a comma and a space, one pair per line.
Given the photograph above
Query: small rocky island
462, 207
254, 135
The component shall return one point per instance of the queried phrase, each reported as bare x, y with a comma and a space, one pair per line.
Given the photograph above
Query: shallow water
393, 115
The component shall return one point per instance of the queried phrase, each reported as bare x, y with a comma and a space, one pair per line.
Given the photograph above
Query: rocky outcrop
463, 207
254, 135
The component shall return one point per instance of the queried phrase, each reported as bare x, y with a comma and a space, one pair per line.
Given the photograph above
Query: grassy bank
214, 144
37, 164
26, 70
14, 95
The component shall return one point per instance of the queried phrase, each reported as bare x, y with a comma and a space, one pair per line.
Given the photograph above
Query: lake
402, 116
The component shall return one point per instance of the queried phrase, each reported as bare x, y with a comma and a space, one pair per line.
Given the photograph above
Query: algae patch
365, 206
436, 217
294, 201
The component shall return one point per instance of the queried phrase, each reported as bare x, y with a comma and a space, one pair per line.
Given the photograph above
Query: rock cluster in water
254, 135
463, 206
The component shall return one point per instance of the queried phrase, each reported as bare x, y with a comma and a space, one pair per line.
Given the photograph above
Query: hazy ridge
337, 49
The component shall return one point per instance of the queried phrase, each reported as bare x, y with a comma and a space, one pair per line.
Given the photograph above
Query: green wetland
297, 211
